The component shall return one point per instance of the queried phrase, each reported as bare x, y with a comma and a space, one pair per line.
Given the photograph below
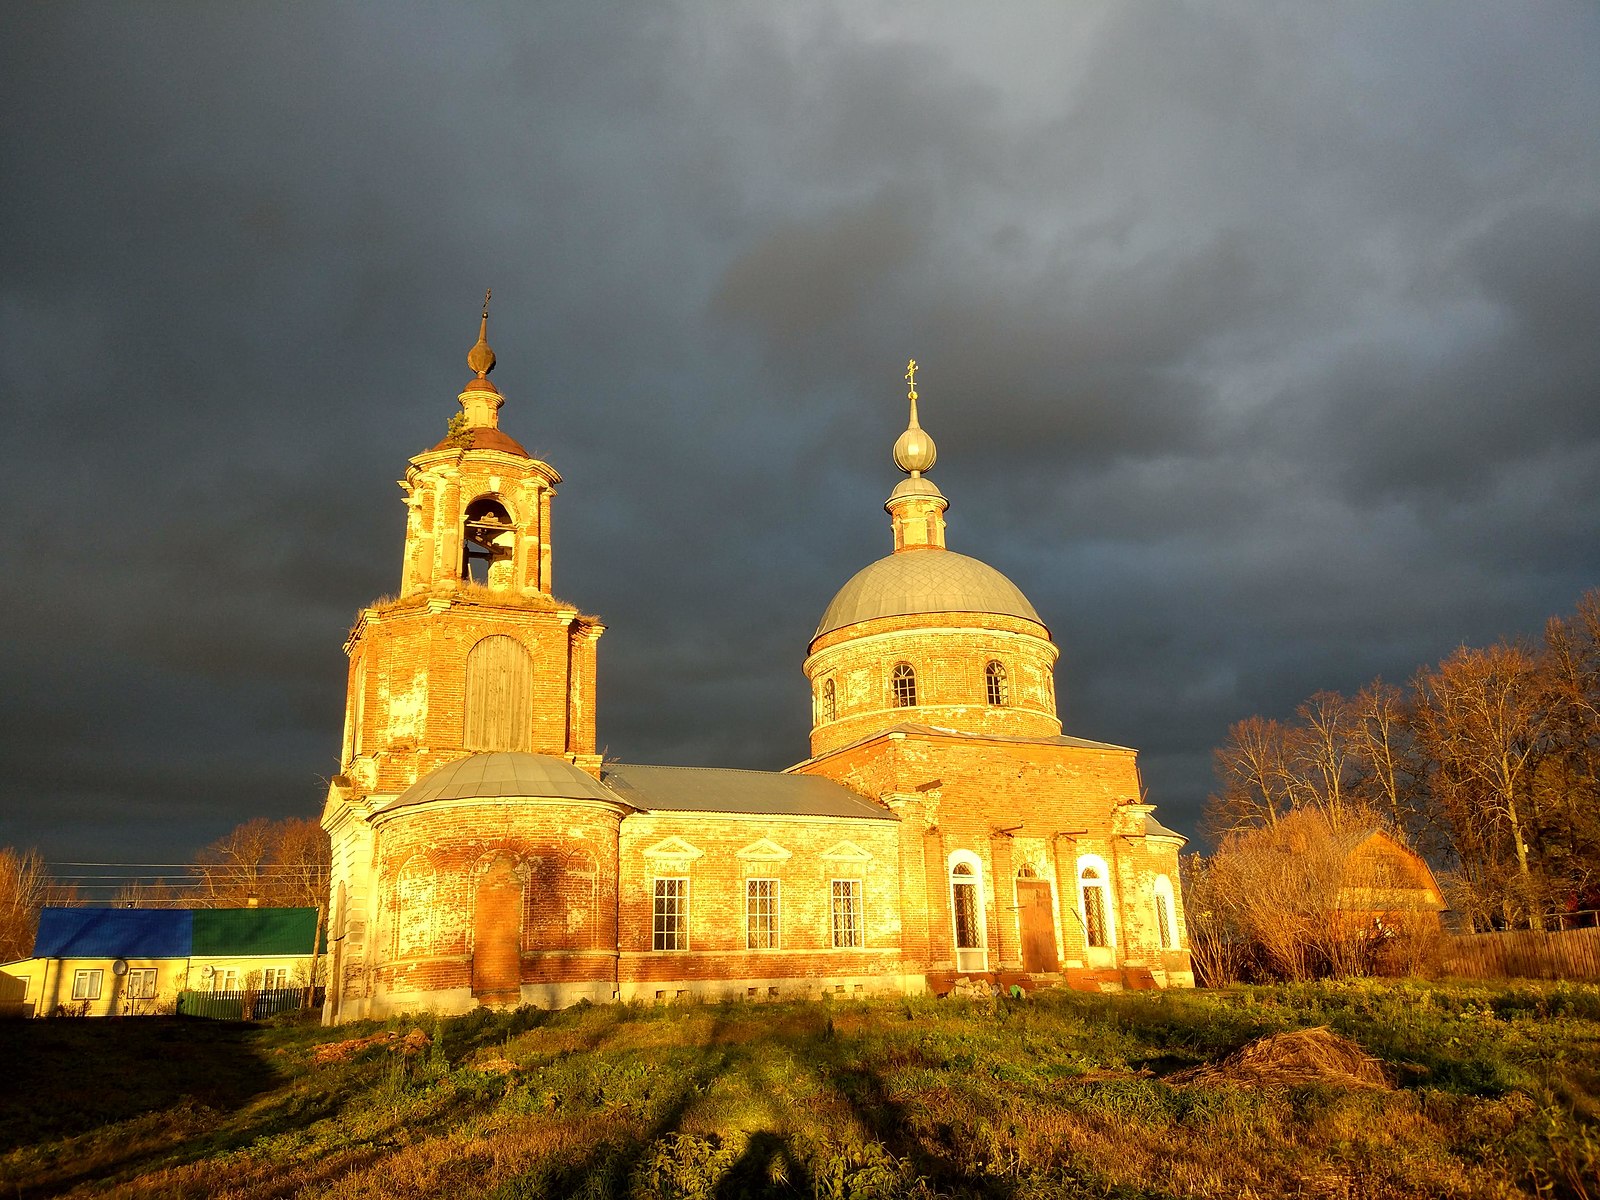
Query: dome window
903, 685
994, 678
830, 701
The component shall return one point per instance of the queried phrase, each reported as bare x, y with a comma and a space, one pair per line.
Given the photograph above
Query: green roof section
222, 932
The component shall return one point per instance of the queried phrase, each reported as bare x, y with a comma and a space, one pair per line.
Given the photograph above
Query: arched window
1166, 914
1094, 891
994, 678
830, 702
903, 682
499, 696
966, 911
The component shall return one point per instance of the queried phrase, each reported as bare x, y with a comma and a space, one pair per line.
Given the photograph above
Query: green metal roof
221, 932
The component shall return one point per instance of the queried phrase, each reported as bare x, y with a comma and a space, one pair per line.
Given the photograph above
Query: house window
1166, 924
225, 981
1093, 887
761, 914
141, 983
903, 682
86, 984
830, 701
966, 911
672, 914
994, 678
846, 913
275, 979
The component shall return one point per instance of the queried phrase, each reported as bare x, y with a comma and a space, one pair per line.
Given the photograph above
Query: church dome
924, 581
502, 773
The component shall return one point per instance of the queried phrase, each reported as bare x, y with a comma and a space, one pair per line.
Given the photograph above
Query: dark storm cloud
1258, 346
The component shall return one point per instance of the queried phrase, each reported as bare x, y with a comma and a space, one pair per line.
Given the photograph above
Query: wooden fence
1522, 954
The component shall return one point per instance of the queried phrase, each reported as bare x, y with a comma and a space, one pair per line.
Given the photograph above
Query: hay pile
1294, 1059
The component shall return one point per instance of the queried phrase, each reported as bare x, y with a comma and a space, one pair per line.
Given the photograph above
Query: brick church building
942, 826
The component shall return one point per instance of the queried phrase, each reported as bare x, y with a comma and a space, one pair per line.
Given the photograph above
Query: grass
1061, 1095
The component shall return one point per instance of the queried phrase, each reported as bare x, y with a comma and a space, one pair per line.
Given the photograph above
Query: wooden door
1038, 927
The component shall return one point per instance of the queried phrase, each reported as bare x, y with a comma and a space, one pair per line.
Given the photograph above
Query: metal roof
924, 581
503, 773
918, 729
173, 932
113, 933
755, 793
225, 931
1154, 828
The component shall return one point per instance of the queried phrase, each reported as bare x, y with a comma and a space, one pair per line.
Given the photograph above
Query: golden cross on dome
911, 378
487, 292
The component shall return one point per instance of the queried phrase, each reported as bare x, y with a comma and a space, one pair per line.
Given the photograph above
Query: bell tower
475, 653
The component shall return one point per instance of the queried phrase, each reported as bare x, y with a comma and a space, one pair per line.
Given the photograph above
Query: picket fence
1522, 954
230, 1006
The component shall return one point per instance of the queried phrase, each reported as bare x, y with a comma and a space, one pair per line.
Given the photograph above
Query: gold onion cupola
916, 506
480, 399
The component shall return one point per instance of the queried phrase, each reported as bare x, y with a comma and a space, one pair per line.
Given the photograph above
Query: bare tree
25, 888
1481, 719
272, 863
1252, 770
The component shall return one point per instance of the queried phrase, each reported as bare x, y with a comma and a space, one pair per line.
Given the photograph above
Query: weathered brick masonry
943, 825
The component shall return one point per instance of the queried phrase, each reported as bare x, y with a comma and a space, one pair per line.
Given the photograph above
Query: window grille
964, 890
761, 914
904, 683
1094, 907
846, 913
830, 702
994, 677
672, 914
1164, 922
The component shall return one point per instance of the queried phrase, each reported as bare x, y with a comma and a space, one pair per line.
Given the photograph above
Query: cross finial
911, 378
487, 292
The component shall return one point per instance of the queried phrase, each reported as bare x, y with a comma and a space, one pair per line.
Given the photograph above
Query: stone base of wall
842, 987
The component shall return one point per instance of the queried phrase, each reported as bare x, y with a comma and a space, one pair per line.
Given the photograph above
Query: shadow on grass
68, 1077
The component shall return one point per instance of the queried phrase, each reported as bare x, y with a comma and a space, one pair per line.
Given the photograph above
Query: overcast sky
1259, 343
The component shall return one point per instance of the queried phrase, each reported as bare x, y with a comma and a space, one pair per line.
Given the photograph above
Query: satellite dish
120, 967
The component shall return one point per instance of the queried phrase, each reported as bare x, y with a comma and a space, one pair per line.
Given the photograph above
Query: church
941, 827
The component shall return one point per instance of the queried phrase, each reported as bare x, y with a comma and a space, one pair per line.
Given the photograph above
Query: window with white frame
86, 983
994, 679
141, 983
275, 979
761, 914
671, 915
1166, 914
966, 911
1094, 890
225, 981
846, 905
903, 685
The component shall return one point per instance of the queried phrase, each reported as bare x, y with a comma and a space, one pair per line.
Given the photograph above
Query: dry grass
1329, 1091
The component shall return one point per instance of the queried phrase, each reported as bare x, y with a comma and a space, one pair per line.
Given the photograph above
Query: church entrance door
1038, 927
496, 930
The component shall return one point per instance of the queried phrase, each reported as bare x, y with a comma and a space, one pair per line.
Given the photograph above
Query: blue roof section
114, 933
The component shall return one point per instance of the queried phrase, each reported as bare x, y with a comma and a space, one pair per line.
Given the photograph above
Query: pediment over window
673, 847
764, 850
846, 852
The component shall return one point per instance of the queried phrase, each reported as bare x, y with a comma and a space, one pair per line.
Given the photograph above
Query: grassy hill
1474, 1091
